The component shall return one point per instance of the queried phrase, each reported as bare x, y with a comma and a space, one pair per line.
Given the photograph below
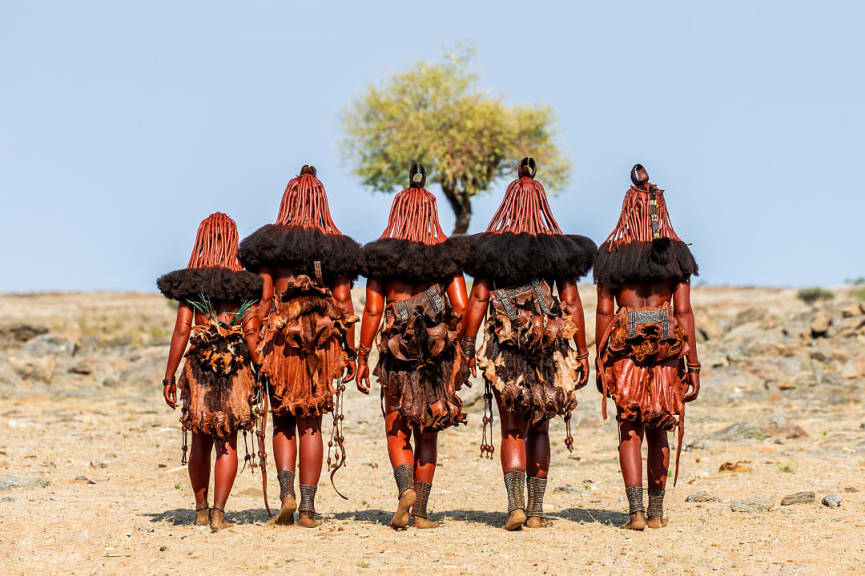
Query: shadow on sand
186, 516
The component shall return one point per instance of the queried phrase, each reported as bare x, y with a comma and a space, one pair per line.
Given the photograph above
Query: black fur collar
215, 283
297, 248
394, 259
512, 259
645, 262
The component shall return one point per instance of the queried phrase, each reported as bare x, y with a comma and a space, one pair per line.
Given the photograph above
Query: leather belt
433, 294
506, 295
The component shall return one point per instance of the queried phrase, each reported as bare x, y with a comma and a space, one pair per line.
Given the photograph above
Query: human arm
369, 327
573, 307
266, 294
179, 340
603, 317
479, 300
342, 295
685, 319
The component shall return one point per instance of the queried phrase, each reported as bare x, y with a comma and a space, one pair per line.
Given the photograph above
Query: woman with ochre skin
647, 350
415, 283
216, 316
526, 358
307, 266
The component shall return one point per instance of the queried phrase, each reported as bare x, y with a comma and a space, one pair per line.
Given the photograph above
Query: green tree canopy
434, 114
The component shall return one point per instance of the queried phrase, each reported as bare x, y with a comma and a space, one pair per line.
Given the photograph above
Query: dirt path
110, 496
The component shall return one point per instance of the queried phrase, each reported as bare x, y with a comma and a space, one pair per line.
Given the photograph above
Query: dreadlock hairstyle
525, 208
643, 247
523, 240
413, 214
304, 233
213, 269
413, 246
215, 243
304, 203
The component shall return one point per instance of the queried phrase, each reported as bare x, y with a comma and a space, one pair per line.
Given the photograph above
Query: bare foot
202, 516
536, 522
424, 523
307, 520
401, 517
655, 522
286, 512
217, 520
638, 522
516, 519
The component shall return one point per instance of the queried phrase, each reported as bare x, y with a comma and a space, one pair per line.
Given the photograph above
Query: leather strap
432, 294
506, 296
319, 278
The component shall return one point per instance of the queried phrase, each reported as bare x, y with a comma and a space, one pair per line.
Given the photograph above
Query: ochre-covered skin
420, 368
217, 387
645, 373
306, 265
528, 361
304, 347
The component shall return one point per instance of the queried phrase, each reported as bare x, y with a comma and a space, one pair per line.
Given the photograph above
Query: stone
84, 479
779, 425
851, 310
50, 345
798, 498
753, 505
146, 371
34, 368
820, 324
742, 430
749, 315
707, 327
10, 482
831, 500
702, 496
20, 333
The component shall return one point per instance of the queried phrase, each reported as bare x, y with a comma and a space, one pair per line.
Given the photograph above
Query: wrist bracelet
693, 367
169, 381
352, 353
362, 353
583, 356
467, 346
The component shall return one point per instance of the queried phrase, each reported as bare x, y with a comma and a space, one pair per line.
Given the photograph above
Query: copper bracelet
467, 346
583, 356
693, 367
362, 353
169, 381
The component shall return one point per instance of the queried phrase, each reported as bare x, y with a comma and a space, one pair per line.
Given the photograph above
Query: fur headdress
213, 268
523, 240
643, 247
304, 232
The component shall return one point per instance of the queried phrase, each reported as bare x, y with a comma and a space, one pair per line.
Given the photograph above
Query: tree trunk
461, 204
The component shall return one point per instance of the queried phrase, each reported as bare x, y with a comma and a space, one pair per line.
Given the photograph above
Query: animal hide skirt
526, 355
303, 349
641, 367
217, 385
419, 367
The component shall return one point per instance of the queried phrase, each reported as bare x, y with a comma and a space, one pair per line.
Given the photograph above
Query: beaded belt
660, 316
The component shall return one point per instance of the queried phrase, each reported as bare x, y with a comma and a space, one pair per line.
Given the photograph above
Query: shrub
811, 295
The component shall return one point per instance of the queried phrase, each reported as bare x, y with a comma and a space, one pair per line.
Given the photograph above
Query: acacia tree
434, 114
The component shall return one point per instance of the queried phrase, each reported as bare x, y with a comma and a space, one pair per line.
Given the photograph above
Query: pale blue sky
123, 124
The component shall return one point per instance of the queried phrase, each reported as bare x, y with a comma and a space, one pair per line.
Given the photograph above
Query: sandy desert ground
91, 483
